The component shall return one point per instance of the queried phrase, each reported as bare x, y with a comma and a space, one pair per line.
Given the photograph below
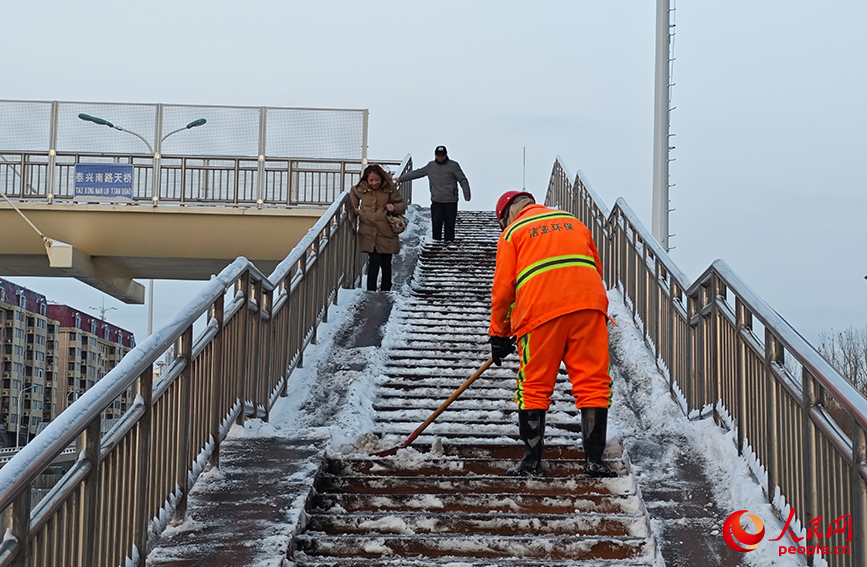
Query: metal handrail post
22, 179
52, 153
366, 115
810, 397
774, 355
237, 181
141, 517
741, 320
268, 345
260, 181
256, 340
185, 351
243, 287
217, 377
183, 180
91, 536
859, 494
16, 522
156, 188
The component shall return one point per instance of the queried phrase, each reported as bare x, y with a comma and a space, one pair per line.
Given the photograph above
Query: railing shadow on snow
112, 505
728, 354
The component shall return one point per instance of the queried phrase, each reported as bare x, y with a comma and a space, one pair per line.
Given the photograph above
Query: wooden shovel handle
439, 410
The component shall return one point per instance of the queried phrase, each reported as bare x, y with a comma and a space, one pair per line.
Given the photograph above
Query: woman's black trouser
443, 213
374, 263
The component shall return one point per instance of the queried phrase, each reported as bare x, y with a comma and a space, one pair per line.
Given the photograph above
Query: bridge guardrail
724, 351
237, 155
118, 496
187, 180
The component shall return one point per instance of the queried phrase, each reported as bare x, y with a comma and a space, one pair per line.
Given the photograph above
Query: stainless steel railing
187, 180
724, 351
117, 497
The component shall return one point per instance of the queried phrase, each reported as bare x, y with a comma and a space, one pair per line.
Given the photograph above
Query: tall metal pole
659, 223
364, 139
260, 176
150, 307
52, 154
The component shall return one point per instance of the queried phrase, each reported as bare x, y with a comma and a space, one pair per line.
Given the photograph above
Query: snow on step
445, 501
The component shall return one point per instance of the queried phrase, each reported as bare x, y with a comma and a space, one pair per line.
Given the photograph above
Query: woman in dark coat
373, 198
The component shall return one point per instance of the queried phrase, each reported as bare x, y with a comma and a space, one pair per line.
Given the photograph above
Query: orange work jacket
547, 266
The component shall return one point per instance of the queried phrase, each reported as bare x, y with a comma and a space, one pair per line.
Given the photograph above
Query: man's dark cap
440, 151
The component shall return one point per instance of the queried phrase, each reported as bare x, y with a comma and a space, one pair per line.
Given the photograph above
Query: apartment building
28, 395
51, 354
87, 349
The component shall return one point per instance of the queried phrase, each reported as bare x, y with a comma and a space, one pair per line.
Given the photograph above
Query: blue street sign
103, 181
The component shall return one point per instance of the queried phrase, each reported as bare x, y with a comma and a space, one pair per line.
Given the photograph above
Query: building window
93, 327
77, 320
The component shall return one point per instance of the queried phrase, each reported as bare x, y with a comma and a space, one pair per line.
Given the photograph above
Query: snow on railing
125, 486
723, 347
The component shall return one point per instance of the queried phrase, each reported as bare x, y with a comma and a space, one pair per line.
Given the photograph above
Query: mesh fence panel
311, 133
25, 126
229, 131
75, 135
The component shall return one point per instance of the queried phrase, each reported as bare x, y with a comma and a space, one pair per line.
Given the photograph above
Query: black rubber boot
594, 426
531, 428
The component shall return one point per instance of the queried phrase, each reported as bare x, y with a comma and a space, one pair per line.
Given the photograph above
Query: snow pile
643, 405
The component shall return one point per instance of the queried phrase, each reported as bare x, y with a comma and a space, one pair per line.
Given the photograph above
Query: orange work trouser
580, 339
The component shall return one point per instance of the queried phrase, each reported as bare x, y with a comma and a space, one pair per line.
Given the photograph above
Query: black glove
501, 347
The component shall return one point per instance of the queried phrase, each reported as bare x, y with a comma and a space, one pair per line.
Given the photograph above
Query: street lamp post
193, 124
104, 122
18, 425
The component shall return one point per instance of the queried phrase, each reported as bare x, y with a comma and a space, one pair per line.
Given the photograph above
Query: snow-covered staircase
445, 500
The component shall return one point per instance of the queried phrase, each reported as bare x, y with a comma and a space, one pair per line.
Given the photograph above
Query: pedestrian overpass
724, 352
214, 184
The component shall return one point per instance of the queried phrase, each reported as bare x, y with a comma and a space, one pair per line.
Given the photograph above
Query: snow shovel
434, 415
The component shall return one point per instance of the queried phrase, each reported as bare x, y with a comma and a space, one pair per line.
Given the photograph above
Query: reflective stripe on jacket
547, 266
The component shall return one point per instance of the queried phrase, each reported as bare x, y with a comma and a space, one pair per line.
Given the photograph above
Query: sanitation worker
549, 295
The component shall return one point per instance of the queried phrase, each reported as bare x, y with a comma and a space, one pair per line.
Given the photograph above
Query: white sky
768, 122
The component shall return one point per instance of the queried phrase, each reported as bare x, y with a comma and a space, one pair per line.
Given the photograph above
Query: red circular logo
737, 538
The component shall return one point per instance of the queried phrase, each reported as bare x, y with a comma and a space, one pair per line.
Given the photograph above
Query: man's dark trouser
443, 213
375, 262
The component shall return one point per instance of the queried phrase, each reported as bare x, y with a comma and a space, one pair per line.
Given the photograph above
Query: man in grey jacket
443, 175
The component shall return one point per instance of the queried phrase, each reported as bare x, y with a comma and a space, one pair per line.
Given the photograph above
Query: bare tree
846, 351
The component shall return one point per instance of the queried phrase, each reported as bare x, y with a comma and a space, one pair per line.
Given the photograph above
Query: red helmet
506, 199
